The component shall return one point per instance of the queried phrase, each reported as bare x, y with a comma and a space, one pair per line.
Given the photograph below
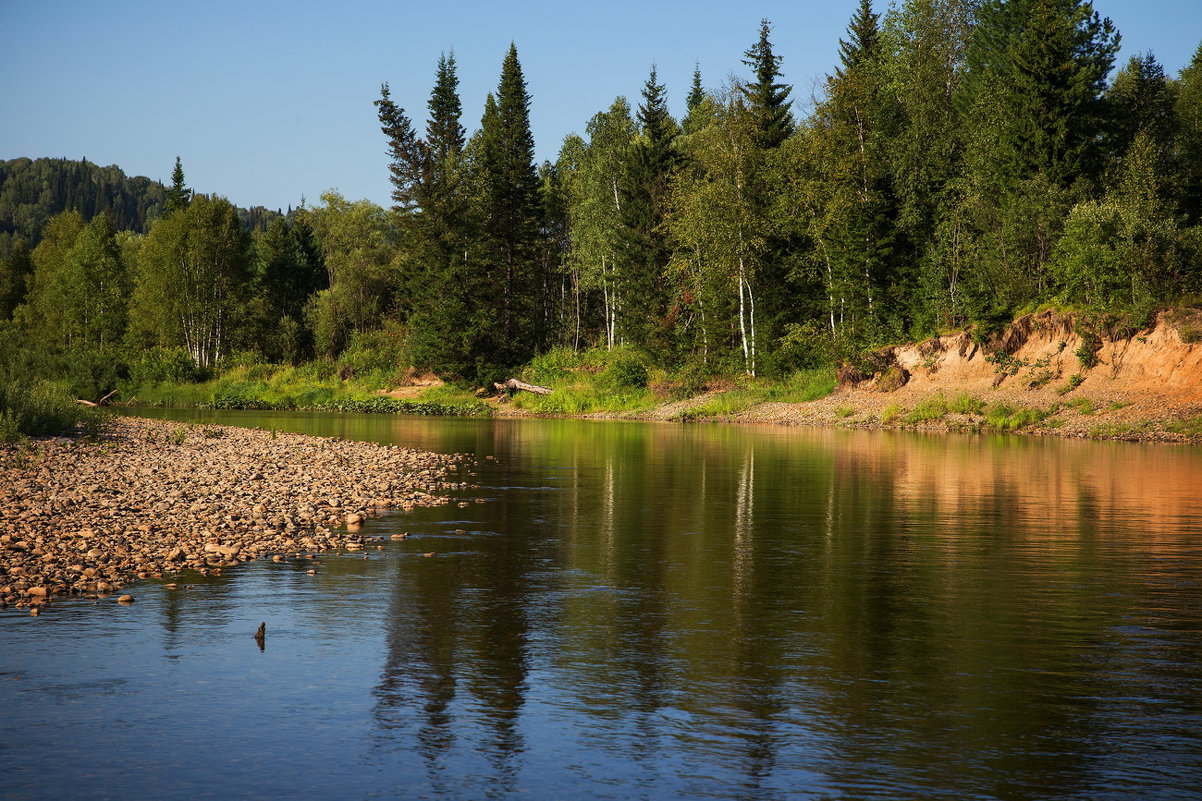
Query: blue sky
267, 101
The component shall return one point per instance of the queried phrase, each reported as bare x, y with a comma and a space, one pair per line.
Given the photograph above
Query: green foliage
1087, 353
933, 408
43, 409
157, 365
625, 371
1005, 363
965, 403
193, 272
892, 413
1005, 417
1074, 381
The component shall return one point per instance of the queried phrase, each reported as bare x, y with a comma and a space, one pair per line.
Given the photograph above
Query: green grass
933, 408
844, 411
43, 409
1004, 417
314, 386
964, 403
1122, 430
892, 413
802, 386
1074, 381
1190, 427
1082, 405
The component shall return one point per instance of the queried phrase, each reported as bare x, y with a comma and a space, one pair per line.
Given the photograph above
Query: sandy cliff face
1088, 381
1041, 353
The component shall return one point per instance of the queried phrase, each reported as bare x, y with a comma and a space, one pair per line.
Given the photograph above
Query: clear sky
268, 101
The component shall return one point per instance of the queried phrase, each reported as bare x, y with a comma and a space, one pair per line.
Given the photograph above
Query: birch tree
193, 271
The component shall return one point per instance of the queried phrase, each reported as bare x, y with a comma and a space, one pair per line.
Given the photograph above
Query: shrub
930, 409
1074, 381
159, 365
625, 371
964, 403
892, 412
1087, 354
43, 409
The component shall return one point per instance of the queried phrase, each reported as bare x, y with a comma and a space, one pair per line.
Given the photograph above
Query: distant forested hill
34, 190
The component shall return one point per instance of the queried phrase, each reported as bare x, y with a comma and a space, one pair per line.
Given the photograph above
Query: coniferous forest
964, 163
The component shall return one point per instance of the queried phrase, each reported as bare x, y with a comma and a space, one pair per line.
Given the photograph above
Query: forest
965, 162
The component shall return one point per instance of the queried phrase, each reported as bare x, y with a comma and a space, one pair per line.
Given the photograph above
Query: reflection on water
663, 611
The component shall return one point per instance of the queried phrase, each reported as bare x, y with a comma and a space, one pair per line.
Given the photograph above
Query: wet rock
125, 599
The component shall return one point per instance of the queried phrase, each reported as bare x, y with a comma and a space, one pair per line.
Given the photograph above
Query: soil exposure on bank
156, 497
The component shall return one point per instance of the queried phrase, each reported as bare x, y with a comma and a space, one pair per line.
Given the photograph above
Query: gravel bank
156, 497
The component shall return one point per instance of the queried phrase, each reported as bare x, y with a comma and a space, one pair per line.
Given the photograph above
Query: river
660, 611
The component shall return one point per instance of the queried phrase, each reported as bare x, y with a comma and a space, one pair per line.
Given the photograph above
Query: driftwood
100, 402
513, 385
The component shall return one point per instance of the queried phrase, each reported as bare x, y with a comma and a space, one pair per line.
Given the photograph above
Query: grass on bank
314, 386
994, 417
43, 409
801, 386
622, 381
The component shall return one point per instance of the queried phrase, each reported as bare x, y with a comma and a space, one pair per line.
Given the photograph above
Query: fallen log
513, 385
100, 402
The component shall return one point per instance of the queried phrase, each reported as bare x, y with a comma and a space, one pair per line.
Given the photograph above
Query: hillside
34, 190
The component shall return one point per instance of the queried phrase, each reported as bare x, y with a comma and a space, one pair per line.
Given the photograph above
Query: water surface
661, 611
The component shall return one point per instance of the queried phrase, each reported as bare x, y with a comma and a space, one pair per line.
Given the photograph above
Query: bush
383, 351
930, 409
43, 409
625, 373
964, 403
158, 365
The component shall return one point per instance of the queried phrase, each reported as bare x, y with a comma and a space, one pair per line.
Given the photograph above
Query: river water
661, 611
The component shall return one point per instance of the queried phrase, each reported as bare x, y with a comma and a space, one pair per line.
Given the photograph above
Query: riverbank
150, 498
1046, 374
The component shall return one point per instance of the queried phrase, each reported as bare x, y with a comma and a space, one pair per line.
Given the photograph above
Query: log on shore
513, 385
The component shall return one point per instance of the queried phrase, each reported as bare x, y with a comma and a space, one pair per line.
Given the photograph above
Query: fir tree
696, 91
1033, 93
511, 212
861, 47
444, 133
1189, 138
694, 118
1141, 99
406, 153
767, 97
178, 195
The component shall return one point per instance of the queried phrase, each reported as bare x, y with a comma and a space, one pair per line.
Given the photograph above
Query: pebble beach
153, 498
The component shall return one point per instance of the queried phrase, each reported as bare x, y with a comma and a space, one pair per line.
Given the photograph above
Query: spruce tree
861, 47
696, 91
1189, 138
15, 269
694, 119
178, 194
1141, 99
406, 153
766, 96
656, 159
1033, 92
511, 215
444, 133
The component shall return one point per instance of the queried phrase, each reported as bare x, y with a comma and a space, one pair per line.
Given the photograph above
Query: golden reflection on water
850, 613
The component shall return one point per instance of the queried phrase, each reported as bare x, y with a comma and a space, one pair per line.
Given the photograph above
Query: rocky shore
154, 497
